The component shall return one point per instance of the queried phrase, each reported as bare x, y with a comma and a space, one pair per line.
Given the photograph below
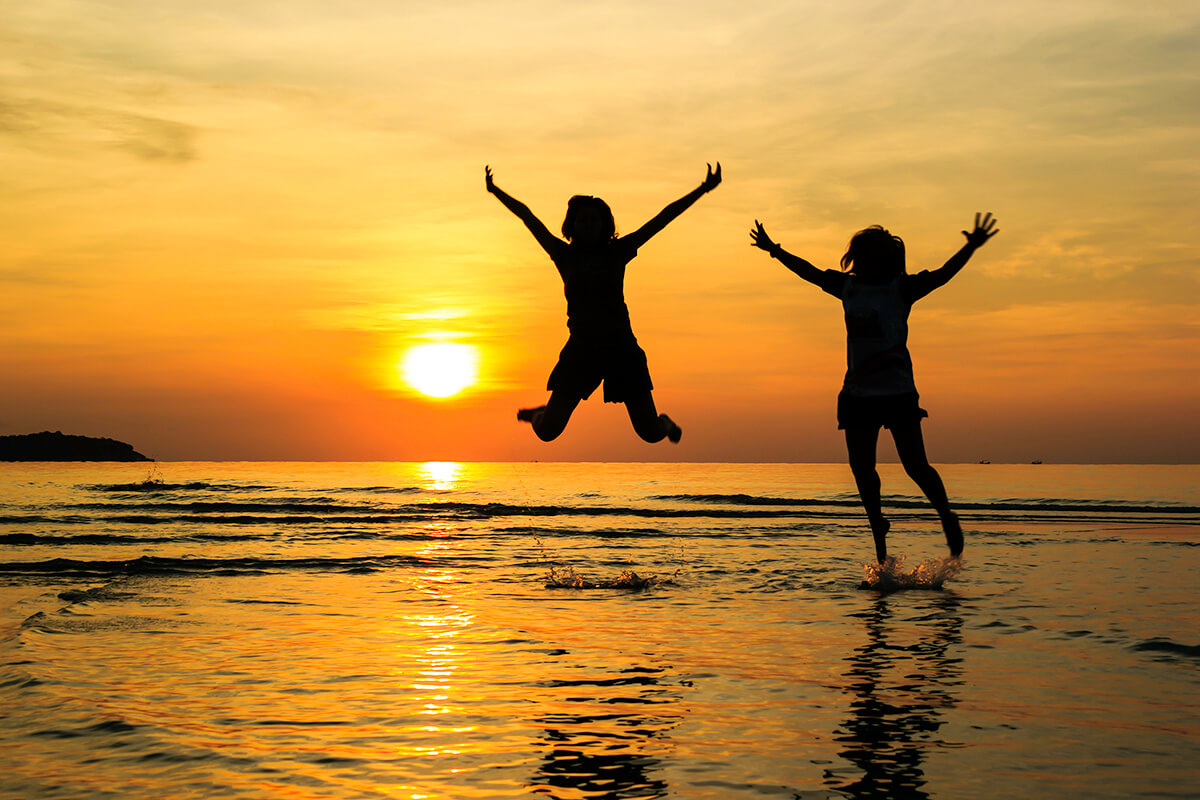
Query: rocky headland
58, 446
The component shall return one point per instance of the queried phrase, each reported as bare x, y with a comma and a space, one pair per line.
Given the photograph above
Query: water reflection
433, 645
899, 691
440, 476
610, 748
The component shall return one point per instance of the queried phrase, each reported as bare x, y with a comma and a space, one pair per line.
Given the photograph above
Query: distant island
57, 446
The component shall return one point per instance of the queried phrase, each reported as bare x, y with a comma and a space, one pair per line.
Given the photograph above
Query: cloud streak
49, 126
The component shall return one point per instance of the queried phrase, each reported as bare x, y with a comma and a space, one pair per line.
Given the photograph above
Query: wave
34, 539
40, 539
1168, 647
898, 501
151, 486
233, 512
154, 486
33, 519
322, 510
372, 525
272, 533
753, 500
156, 565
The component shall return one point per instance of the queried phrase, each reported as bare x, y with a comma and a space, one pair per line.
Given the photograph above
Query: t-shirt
594, 284
877, 357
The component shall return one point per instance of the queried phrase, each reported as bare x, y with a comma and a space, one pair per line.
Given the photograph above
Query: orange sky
226, 222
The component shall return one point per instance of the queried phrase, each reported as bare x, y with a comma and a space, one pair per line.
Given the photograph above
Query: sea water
439, 630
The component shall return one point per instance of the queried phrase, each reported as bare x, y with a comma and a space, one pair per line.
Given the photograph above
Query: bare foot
674, 432
879, 532
954, 534
530, 414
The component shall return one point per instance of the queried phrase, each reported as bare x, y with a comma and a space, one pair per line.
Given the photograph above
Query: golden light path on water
440, 476
427, 656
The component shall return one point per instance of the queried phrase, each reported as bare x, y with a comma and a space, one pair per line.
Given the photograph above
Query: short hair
874, 253
580, 201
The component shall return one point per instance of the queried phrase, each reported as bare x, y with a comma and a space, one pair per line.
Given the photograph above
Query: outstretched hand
712, 178
984, 230
487, 178
759, 238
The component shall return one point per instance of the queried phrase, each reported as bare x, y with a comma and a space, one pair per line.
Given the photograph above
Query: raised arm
984, 229
796, 264
644, 233
545, 238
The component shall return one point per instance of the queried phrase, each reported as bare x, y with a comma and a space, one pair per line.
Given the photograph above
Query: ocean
493, 630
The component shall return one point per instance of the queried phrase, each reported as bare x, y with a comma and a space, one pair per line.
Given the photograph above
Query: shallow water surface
402, 630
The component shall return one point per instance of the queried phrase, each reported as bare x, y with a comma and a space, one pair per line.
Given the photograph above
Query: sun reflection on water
440, 476
437, 657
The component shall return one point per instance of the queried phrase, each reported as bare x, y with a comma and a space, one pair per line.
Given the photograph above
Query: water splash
891, 576
568, 578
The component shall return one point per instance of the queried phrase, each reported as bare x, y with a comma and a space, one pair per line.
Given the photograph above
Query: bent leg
910, 446
860, 446
647, 422
551, 419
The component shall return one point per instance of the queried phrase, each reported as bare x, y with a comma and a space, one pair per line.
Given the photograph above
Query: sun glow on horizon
440, 369
440, 476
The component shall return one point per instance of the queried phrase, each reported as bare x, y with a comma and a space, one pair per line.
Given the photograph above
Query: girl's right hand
487, 178
760, 239
984, 230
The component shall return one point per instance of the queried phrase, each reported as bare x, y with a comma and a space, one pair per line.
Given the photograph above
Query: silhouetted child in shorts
601, 346
877, 295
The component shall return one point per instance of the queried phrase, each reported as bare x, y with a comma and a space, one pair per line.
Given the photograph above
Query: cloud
46, 125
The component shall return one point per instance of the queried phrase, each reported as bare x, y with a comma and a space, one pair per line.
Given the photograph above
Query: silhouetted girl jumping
877, 295
601, 345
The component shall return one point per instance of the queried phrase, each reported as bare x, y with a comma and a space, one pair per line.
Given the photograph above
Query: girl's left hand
712, 178
487, 178
984, 230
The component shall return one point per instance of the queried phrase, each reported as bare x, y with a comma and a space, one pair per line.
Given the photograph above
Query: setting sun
440, 369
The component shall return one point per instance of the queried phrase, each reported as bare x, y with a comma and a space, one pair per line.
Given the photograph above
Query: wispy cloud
50, 126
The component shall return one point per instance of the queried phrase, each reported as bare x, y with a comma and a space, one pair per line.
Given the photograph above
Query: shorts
584, 363
872, 411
